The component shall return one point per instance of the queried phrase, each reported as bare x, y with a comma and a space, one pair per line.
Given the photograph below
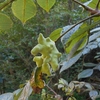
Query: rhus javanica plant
75, 38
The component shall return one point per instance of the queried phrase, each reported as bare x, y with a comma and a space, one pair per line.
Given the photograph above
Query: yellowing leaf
38, 78
46, 4
55, 34
5, 22
24, 9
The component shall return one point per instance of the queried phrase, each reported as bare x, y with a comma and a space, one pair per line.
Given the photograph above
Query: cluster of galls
48, 60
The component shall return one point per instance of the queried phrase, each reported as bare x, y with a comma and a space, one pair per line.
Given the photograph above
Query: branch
51, 90
97, 6
77, 24
91, 10
6, 4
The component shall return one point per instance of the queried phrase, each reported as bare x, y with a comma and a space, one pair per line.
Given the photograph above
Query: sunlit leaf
75, 38
5, 22
55, 34
74, 49
85, 73
24, 9
46, 4
93, 4
66, 37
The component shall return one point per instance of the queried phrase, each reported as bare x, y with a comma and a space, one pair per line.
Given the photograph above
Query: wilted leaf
93, 94
85, 73
36, 81
26, 92
55, 34
38, 78
46, 4
24, 9
5, 22
6, 96
69, 63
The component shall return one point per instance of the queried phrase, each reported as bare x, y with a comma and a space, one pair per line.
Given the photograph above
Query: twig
91, 10
5, 4
51, 89
77, 24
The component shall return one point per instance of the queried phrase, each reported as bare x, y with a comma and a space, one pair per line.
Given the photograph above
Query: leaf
93, 4
17, 93
74, 49
26, 92
89, 86
76, 37
66, 37
6, 96
85, 73
46, 4
82, 32
71, 98
97, 67
24, 9
38, 78
5, 22
55, 34
93, 94
89, 64
69, 63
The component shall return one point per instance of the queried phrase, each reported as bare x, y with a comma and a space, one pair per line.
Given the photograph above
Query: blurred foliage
15, 58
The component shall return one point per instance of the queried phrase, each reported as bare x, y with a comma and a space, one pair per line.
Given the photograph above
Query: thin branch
77, 24
51, 90
6, 4
91, 10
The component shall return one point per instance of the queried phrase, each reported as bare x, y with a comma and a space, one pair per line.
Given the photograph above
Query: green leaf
81, 33
46, 4
93, 4
5, 22
85, 73
24, 9
55, 34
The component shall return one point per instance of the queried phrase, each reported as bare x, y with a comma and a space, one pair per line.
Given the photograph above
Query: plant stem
77, 24
51, 89
5, 4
